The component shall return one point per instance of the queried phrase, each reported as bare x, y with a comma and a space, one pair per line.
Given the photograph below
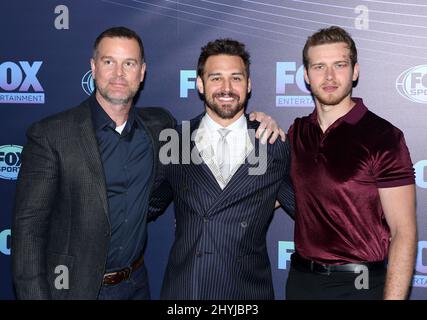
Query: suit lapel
201, 172
202, 175
207, 153
92, 155
241, 178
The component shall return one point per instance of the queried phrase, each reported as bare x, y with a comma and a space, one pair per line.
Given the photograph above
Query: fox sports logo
10, 161
88, 84
412, 84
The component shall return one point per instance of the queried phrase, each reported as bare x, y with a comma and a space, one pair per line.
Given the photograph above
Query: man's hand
268, 128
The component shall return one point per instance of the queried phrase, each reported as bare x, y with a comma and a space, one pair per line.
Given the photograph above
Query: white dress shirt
208, 136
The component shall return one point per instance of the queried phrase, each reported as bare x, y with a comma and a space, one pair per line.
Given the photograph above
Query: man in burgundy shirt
355, 225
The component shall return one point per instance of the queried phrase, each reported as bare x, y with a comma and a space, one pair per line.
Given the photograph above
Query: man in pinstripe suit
222, 209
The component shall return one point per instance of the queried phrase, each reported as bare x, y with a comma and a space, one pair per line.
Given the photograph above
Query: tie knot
223, 132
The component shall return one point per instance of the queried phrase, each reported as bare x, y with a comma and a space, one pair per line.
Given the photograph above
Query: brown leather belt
116, 277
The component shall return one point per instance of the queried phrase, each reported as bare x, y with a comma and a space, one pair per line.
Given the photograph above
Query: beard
226, 110
121, 100
331, 99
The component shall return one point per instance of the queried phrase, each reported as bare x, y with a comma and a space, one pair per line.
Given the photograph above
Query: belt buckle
320, 268
109, 278
124, 274
109, 274
128, 272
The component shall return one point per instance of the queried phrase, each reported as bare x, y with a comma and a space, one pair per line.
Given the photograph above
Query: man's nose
330, 73
119, 70
226, 85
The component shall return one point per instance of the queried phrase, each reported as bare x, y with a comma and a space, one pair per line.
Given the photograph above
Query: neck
117, 112
221, 121
328, 114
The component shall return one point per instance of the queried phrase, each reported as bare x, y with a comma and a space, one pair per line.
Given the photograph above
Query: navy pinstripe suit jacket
220, 249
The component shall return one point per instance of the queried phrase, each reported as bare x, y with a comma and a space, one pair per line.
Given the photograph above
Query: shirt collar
239, 124
352, 117
101, 119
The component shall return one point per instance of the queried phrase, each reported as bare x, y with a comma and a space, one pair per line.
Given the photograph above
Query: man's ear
200, 85
249, 85
143, 68
355, 72
306, 76
92, 67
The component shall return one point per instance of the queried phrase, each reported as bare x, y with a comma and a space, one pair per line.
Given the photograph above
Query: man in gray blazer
79, 224
222, 207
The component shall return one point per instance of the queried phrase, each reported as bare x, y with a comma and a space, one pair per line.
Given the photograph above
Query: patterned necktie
223, 151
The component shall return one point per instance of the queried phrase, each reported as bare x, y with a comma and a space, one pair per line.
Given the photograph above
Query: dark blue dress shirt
127, 160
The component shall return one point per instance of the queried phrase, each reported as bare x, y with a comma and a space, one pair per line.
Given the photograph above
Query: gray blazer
61, 210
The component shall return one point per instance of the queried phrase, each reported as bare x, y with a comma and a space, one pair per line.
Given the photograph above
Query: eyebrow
214, 74
338, 61
131, 59
112, 58
219, 73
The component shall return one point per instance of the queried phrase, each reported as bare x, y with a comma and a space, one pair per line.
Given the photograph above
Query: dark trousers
307, 285
134, 288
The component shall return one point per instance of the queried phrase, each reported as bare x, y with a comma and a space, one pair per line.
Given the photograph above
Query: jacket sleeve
286, 195
162, 194
160, 200
35, 193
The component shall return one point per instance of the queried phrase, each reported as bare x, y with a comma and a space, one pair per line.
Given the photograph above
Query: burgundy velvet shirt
336, 176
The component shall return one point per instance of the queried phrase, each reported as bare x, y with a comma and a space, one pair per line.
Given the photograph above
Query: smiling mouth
226, 97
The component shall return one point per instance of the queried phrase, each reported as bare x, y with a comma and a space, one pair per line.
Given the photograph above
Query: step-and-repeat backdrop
44, 68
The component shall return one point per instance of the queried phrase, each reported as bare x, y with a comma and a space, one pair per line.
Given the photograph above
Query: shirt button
243, 224
205, 220
121, 248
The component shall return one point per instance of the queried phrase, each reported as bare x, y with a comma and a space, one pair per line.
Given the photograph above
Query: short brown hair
223, 46
329, 35
119, 32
